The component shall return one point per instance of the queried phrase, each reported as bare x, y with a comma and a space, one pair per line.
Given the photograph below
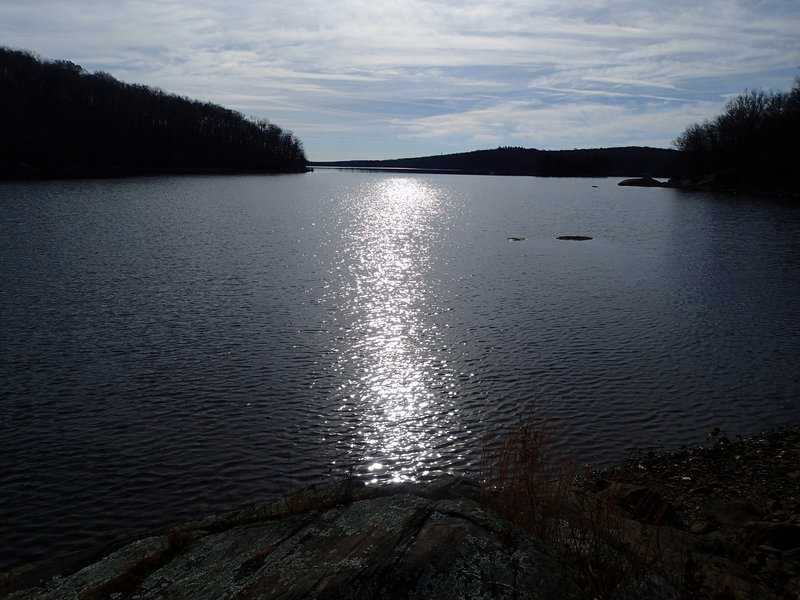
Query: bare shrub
525, 481
546, 492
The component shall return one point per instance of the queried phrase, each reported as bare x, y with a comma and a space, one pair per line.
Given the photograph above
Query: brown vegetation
659, 526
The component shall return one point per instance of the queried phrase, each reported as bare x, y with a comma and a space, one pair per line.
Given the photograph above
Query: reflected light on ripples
397, 388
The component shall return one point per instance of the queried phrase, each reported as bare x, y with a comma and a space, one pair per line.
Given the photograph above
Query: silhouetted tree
56, 118
757, 136
598, 162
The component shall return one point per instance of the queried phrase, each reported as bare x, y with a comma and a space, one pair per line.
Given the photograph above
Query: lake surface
180, 345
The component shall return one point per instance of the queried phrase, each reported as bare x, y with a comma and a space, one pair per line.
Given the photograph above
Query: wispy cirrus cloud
561, 125
375, 79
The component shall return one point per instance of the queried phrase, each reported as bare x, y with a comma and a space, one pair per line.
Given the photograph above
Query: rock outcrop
643, 182
708, 522
739, 185
409, 541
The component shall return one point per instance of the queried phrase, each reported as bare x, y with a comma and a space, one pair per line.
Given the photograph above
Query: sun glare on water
399, 383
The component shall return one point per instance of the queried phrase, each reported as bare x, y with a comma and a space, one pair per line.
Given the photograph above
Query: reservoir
174, 346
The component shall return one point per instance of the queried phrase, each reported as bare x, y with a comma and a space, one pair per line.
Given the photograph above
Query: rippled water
174, 346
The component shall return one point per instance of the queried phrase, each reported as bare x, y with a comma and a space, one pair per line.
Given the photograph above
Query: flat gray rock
413, 541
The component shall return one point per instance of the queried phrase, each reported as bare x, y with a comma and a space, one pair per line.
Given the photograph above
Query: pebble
699, 527
753, 564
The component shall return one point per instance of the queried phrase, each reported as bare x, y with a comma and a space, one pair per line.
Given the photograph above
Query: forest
753, 146
755, 140
58, 120
597, 162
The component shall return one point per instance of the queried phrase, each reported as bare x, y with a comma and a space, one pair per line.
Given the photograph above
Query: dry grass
338, 488
525, 481
548, 494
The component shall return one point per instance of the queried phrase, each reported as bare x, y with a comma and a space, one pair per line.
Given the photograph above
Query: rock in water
643, 182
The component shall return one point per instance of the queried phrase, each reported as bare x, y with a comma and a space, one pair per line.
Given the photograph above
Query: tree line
757, 137
57, 118
506, 160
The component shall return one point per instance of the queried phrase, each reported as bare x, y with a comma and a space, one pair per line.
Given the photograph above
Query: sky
375, 79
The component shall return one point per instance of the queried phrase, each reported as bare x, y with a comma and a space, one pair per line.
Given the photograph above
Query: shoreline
722, 184
736, 503
754, 469
32, 173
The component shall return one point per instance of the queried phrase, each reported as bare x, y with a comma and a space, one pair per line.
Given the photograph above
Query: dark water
174, 346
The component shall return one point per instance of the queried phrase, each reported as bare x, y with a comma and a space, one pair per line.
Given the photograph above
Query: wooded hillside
599, 162
756, 138
59, 120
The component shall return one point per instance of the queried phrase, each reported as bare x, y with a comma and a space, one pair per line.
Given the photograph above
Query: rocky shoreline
711, 522
724, 184
739, 501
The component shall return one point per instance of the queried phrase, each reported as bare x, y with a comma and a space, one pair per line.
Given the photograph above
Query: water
176, 346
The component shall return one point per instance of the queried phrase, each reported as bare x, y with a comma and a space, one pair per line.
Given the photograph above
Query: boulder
643, 182
641, 503
783, 536
732, 514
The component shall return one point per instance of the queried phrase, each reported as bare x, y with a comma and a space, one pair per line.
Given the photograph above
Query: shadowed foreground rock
408, 541
714, 523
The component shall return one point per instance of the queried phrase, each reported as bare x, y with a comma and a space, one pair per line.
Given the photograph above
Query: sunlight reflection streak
391, 351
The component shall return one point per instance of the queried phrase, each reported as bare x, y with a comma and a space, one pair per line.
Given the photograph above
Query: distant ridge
634, 161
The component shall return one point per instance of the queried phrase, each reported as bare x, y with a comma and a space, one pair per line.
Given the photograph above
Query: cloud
561, 125
413, 70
